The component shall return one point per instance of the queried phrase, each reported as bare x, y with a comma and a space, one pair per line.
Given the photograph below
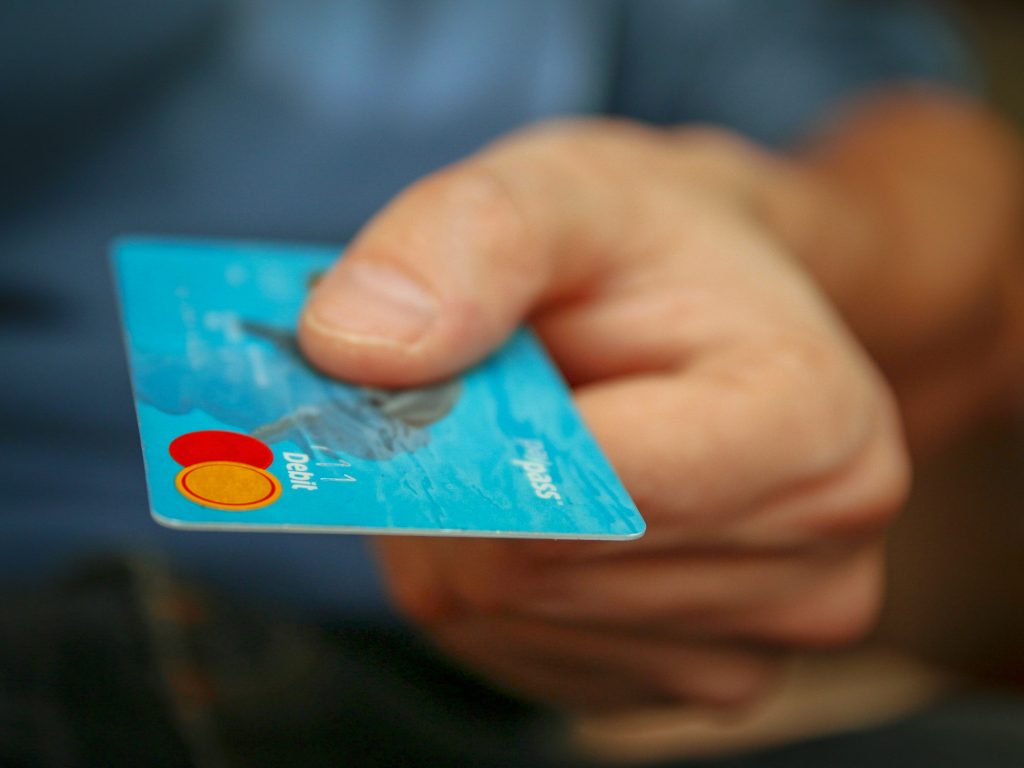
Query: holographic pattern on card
240, 433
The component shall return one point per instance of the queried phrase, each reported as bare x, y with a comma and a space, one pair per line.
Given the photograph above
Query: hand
758, 440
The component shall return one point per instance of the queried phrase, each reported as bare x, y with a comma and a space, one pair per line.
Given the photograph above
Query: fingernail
368, 303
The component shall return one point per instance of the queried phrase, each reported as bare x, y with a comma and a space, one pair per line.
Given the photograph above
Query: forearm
909, 212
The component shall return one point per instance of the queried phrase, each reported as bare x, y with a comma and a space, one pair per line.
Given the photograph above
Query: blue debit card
239, 433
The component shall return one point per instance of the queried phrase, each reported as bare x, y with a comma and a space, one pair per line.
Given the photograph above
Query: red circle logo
220, 445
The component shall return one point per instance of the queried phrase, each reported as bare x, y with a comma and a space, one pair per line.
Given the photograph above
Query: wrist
908, 214
838, 236
834, 233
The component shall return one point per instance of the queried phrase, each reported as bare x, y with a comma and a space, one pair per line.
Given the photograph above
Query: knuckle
729, 685
479, 595
481, 602
589, 134
894, 474
884, 494
606, 150
871, 490
832, 400
412, 582
426, 587
822, 403
716, 154
469, 205
743, 687
414, 598
502, 222
480, 198
494, 233
841, 629
487, 579
839, 616
836, 406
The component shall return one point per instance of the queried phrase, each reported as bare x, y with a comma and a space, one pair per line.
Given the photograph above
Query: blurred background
958, 580
253, 120
996, 28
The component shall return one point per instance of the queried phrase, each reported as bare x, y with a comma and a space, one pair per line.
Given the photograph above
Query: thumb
448, 269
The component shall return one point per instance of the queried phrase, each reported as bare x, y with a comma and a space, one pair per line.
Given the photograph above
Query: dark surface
123, 664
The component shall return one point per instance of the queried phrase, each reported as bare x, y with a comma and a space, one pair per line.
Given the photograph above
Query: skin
734, 325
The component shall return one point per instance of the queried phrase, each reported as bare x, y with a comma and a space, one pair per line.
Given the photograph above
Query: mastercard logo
224, 470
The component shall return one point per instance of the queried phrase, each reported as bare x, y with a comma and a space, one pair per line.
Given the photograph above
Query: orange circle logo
224, 470
228, 485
